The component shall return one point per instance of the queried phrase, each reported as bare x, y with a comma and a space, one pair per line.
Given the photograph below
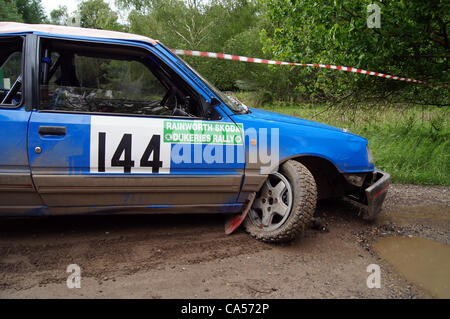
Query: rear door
106, 136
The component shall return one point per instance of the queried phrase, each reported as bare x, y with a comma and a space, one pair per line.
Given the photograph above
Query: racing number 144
124, 148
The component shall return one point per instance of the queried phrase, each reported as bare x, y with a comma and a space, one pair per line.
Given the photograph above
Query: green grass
409, 142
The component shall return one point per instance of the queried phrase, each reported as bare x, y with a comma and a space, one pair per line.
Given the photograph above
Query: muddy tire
284, 206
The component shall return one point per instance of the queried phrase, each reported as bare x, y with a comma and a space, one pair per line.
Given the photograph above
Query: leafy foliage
412, 41
59, 16
9, 12
98, 15
29, 11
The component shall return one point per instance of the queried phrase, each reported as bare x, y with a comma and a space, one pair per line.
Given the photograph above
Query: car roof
15, 27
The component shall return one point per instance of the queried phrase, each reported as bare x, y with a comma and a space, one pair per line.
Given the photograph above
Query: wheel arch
329, 180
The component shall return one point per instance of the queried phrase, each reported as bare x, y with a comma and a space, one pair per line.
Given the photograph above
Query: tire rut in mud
117, 246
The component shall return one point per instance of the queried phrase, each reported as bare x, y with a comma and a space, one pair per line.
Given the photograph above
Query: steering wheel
13, 91
176, 111
166, 97
170, 93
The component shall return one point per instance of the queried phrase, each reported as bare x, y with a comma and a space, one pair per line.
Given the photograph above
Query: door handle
52, 130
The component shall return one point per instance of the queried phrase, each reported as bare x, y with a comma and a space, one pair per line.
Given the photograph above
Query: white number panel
128, 145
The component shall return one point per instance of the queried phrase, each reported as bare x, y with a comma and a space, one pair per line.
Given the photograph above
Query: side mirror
214, 102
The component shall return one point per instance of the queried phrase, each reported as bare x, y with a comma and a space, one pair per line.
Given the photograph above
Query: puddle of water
421, 261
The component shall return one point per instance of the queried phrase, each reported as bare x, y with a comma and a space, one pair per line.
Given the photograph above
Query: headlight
370, 156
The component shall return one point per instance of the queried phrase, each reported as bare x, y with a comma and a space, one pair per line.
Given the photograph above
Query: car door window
91, 84
11, 72
102, 81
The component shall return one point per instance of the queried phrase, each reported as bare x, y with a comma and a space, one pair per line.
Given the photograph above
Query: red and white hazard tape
263, 61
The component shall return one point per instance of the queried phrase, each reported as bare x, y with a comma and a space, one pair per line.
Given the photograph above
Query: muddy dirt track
188, 256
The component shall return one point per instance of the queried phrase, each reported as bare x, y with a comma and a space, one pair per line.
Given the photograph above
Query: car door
99, 141
17, 193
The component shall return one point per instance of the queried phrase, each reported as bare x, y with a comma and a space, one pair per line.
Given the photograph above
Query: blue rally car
102, 122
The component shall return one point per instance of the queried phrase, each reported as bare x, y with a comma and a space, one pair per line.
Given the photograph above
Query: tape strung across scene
326, 66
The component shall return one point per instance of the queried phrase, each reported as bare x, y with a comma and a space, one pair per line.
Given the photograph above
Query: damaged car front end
367, 191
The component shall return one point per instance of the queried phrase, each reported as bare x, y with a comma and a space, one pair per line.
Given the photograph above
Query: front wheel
284, 205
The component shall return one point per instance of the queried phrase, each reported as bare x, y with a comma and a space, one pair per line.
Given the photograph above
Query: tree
9, 11
29, 11
59, 16
97, 14
412, 41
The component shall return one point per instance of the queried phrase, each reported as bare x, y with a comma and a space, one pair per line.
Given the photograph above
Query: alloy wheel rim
273, 205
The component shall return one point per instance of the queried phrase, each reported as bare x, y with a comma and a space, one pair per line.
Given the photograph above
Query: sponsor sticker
198, 132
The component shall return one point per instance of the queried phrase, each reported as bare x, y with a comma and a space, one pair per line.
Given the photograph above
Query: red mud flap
235, 221
376, 193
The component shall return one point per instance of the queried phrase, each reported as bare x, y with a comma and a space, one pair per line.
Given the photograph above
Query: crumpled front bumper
376, 193
370, 197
